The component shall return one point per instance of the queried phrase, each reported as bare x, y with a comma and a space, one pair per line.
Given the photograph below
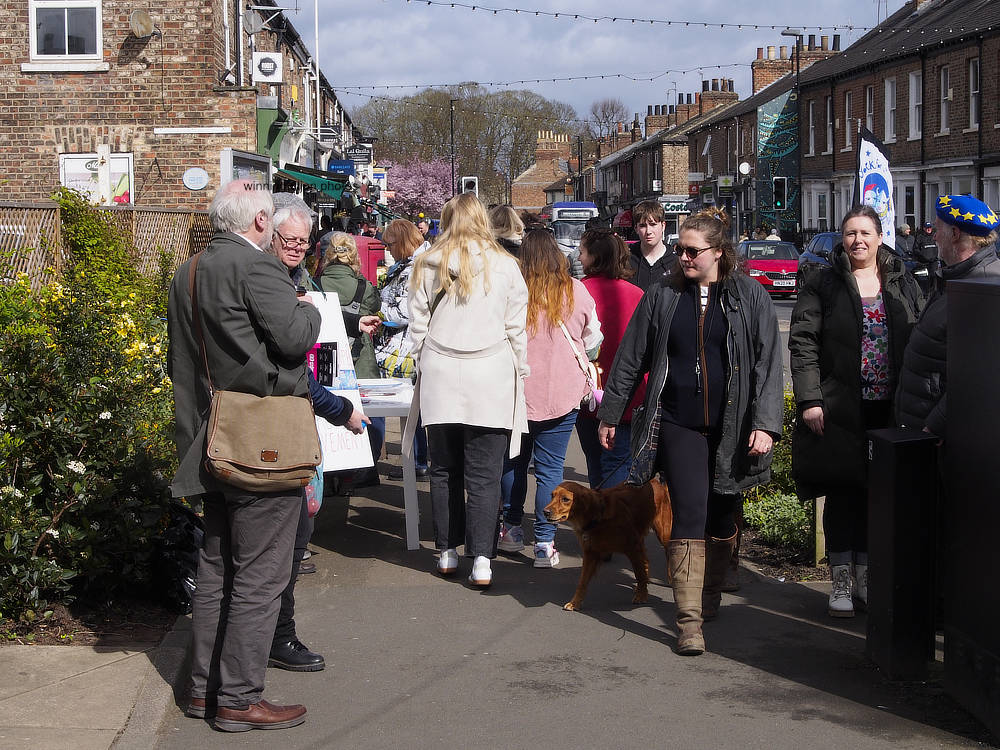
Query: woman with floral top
849, 328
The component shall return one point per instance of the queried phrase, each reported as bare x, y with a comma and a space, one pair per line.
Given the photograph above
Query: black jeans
284, 631
845, 512
685, 457
466, 459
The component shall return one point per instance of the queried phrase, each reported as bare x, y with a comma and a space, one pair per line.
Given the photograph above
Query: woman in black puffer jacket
849, 329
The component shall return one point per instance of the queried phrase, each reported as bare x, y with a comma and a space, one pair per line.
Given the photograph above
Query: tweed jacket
256, 336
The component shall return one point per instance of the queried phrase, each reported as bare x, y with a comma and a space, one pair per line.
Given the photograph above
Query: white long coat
472, 356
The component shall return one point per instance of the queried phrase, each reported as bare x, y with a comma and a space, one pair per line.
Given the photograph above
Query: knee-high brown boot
718, 556
686, 563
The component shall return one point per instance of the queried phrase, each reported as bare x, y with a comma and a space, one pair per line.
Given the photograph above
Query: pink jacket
556, 383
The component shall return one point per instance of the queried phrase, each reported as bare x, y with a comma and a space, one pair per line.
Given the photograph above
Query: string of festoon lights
575, 16
558, 79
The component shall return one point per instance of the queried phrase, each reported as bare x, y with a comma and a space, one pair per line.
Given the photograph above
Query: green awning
326, 185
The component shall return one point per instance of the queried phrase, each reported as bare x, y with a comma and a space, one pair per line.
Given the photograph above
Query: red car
773, 263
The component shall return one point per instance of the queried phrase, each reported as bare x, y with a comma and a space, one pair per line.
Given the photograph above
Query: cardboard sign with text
332, 364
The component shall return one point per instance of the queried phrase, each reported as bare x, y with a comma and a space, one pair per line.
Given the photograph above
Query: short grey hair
302, 213
286, 200
237, 204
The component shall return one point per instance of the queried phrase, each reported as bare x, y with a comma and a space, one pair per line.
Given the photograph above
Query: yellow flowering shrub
86, 424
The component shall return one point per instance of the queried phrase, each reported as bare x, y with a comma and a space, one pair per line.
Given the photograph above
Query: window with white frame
812, 129
65, 30
848, 121
821, 216
870, 107
974, 94
916, 104
890, 109
944, 79
829, 124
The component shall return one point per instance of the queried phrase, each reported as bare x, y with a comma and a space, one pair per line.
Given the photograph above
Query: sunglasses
690, 252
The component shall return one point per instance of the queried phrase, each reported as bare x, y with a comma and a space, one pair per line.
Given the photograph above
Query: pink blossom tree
420, 186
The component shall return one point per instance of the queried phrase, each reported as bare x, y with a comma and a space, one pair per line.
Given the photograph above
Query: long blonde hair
464, 224
342, 250
546, 274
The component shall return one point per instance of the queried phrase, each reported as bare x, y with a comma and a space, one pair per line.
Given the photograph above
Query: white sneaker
447, 562
840, 604
511, 538
546, 555
481, 574
861, 584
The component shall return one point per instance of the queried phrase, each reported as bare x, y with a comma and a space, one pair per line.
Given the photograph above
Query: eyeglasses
291, 242
690, 252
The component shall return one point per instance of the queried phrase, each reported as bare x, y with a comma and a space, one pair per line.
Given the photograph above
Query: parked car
773, 263
821, 245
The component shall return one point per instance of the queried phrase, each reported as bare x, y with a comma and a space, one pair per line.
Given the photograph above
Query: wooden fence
31, 240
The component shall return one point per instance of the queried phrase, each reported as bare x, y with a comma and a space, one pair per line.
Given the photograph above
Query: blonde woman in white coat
468, 304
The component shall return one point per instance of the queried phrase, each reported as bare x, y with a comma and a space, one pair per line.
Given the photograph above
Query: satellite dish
252, 22
141, 24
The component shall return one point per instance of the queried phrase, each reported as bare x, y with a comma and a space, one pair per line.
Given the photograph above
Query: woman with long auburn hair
560, 309
467, 314
707, 337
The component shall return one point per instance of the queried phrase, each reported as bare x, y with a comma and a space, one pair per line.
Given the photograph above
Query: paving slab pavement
62, 697
416, 660
420, 661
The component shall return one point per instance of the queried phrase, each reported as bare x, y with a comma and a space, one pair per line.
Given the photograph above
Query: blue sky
366, 42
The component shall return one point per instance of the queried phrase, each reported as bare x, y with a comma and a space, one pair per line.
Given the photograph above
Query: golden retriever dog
609, 521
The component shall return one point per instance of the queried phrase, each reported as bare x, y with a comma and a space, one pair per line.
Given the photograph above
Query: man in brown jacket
256, 336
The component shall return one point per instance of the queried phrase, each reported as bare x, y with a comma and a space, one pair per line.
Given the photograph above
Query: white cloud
396, 42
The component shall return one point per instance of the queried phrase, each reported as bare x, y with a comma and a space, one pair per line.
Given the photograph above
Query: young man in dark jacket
651, 260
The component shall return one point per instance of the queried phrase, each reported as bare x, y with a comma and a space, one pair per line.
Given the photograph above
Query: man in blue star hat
966, 232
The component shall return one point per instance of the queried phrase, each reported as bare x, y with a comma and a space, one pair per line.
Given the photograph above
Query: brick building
133, 106
916, 82
533, 188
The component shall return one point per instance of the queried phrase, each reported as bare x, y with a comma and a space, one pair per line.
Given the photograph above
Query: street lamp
797, 33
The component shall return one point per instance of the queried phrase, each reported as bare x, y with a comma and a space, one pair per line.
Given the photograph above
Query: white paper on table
342, 449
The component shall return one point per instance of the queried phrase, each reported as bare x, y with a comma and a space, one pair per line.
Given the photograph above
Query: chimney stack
770, 52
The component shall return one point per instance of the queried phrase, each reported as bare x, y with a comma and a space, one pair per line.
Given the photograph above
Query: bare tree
495, 131
604, 116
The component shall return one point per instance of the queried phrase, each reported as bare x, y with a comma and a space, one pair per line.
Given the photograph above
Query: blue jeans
546, 442
610, 467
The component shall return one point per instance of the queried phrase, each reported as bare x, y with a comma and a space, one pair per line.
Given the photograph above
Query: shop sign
341, 166
725, 183
359, 154
675, 207
693, 188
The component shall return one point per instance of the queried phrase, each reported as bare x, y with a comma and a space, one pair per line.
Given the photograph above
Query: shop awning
329, 186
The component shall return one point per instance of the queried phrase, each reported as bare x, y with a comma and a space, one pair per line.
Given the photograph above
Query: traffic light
780, 193
470, 185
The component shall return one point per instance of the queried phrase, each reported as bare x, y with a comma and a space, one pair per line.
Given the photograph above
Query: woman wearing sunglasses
707, 337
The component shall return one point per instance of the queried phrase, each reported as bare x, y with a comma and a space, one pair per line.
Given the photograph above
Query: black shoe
306, 567
396, 472
294, 657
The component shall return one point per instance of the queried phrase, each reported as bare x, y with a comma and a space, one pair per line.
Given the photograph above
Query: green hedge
86, 423
774, 510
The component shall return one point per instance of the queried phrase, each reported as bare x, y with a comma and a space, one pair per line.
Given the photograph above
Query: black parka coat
753, 380
825, 345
